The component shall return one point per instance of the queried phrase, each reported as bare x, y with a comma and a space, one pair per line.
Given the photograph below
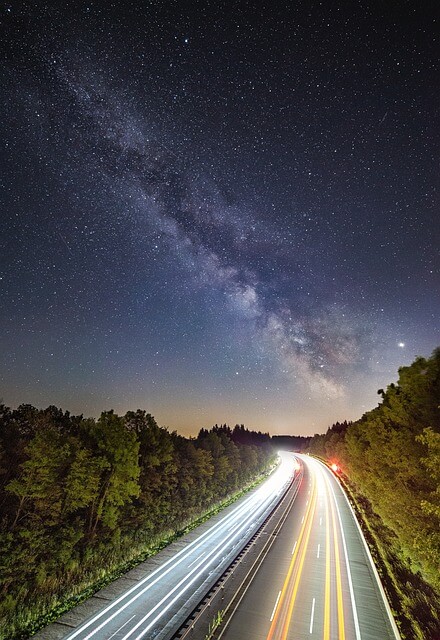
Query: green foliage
431, 462
119, 449
392, 457
214, 624
82, 498
37, 487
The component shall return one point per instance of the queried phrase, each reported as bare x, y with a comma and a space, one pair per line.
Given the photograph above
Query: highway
156, 605
318, 579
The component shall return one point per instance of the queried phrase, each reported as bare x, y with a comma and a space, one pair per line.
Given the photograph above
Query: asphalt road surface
318, 580
154, 605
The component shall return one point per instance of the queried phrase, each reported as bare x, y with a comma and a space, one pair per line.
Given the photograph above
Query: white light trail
236, 523
312, 616
275, 606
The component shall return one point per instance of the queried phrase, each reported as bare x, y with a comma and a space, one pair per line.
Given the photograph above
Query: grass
414, 603
26, 621
214, 624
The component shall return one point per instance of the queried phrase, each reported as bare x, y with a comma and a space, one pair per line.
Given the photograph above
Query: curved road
156, 605
318, 580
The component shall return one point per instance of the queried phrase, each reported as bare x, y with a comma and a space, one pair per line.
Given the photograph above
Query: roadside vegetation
83, 500
390, 460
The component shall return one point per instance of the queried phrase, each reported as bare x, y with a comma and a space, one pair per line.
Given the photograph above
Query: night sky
217, 211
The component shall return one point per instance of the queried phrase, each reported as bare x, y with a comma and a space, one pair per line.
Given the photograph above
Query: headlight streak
302, 557
242, 517
213, 555
282, 616
284, 601
330, 497
347, 563
368, 554
317, 595
330, 501
341, 622
326, 635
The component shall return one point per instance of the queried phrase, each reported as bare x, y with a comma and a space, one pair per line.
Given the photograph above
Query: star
218, 203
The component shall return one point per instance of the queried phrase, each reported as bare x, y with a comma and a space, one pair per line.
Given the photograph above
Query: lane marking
198, 558
294, 547
307, 503
312, 615
327, 574
305, 546
117, 630
260, 498
275, 607
260, 558
196, 572
347, 564
319, 547
288, 576
341, 623
302, 519
320, 522
373, 566
213, 554
164, 609
161, 571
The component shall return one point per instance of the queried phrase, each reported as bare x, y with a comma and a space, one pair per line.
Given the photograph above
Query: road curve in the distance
158, 603
318, 581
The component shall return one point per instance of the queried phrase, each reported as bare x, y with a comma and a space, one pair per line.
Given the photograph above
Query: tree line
392, 457
80, 497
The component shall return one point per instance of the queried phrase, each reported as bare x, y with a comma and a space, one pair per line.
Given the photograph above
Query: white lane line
302, 519
373, 566
117, 630
320, 522
260, 499
347, 563
311, 617
307, 503
240, 527
234, 515
215, 553
275, 607
198, 558
294, 547
319, 548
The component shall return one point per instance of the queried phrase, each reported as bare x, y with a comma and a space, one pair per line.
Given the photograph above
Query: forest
391, 457
82, 498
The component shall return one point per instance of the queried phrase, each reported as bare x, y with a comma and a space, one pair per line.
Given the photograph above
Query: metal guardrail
187, 629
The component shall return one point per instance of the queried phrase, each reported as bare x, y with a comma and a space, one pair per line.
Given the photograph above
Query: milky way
216, 218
